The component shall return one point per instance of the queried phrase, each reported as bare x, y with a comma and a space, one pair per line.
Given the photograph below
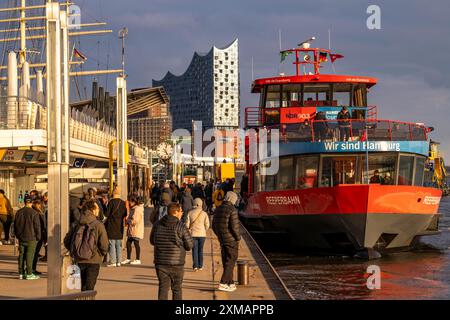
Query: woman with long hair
135, 229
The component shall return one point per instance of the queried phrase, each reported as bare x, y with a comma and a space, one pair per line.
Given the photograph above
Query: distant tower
208, 91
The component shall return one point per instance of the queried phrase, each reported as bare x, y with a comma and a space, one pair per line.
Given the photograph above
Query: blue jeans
197, 251
115, 251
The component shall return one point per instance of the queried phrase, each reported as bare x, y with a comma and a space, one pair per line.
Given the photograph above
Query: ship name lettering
431, 200
283, 200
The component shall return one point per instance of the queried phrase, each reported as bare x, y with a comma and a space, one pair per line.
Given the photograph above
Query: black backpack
83, 242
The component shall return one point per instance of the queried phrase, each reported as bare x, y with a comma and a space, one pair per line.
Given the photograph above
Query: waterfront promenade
139, 282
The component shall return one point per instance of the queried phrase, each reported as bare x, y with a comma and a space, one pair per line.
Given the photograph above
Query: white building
208, 91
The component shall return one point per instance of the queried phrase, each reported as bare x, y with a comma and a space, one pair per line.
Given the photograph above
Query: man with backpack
88, 244
171, 239
160, 209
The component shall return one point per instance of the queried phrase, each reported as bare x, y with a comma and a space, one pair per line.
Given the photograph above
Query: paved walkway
140, 282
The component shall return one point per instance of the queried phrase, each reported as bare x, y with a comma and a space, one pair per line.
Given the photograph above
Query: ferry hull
351, 229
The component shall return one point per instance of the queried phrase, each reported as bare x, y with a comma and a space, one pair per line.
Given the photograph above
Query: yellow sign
2, 153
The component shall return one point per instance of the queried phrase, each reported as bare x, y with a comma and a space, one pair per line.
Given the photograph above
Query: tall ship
348, 181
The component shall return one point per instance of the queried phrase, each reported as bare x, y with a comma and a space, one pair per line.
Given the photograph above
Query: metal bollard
243, 273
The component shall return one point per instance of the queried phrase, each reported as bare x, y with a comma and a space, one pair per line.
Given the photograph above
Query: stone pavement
133, 282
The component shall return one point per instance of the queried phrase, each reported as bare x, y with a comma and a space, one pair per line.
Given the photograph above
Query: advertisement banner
296, 114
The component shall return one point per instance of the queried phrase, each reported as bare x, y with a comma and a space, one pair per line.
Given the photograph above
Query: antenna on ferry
305, 44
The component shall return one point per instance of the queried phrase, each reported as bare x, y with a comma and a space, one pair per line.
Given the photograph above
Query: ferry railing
358, 130
257, 116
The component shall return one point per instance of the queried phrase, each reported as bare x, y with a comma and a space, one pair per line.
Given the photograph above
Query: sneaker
136, 262
118, 264
200, 269
127, 261
32, 277
22, 277
111, 265
224, 287
1, 243
232, 287
195, 269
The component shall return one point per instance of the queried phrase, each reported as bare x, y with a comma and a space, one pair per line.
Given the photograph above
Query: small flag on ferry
335, 56
79, 55
323, 57
284, 54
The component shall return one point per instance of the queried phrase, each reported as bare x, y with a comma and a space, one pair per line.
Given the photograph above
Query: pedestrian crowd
180, 218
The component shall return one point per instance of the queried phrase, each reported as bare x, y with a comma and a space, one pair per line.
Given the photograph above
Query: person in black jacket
226, 226
27, 228
344, 124
187, 203
116, 213
37, 206
171, 240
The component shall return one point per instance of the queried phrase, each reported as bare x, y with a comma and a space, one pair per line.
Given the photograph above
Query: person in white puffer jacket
198, 225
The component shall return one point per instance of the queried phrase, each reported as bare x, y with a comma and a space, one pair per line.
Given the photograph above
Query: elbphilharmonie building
208, 91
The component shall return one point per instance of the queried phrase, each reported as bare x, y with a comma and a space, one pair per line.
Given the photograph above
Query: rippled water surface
420, 274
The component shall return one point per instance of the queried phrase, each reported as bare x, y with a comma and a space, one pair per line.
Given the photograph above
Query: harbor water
420, 274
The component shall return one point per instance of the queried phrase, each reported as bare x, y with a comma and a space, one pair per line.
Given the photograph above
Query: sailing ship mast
23, 51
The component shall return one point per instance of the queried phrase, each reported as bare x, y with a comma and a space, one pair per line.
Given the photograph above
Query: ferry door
344, 170
339, 170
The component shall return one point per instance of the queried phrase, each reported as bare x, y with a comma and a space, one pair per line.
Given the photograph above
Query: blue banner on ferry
417, 147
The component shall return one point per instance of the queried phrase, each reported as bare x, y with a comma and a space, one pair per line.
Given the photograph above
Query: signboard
296, 114
79, 163
88, 173
417, 147
37, 171
13, 155
31, 156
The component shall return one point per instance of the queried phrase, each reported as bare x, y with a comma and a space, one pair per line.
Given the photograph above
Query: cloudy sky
410, 55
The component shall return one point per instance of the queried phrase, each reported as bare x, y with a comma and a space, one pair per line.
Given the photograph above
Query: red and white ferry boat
347, 181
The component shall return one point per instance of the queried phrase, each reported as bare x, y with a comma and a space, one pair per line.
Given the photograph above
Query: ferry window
359, 95
284, 177
341, 94
381, 168
405, 170
339, 170
317, 95
267, 181
273, 96
292, 95
420, 169
326, 180
256, 179
306, 172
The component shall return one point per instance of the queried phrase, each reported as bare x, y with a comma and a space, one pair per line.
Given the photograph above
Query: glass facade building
208, 91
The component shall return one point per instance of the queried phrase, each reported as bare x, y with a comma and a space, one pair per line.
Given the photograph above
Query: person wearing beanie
226, 226
27, 228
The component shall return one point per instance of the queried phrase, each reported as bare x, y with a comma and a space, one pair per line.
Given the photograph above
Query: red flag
364, 136
335, 56
79, 55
